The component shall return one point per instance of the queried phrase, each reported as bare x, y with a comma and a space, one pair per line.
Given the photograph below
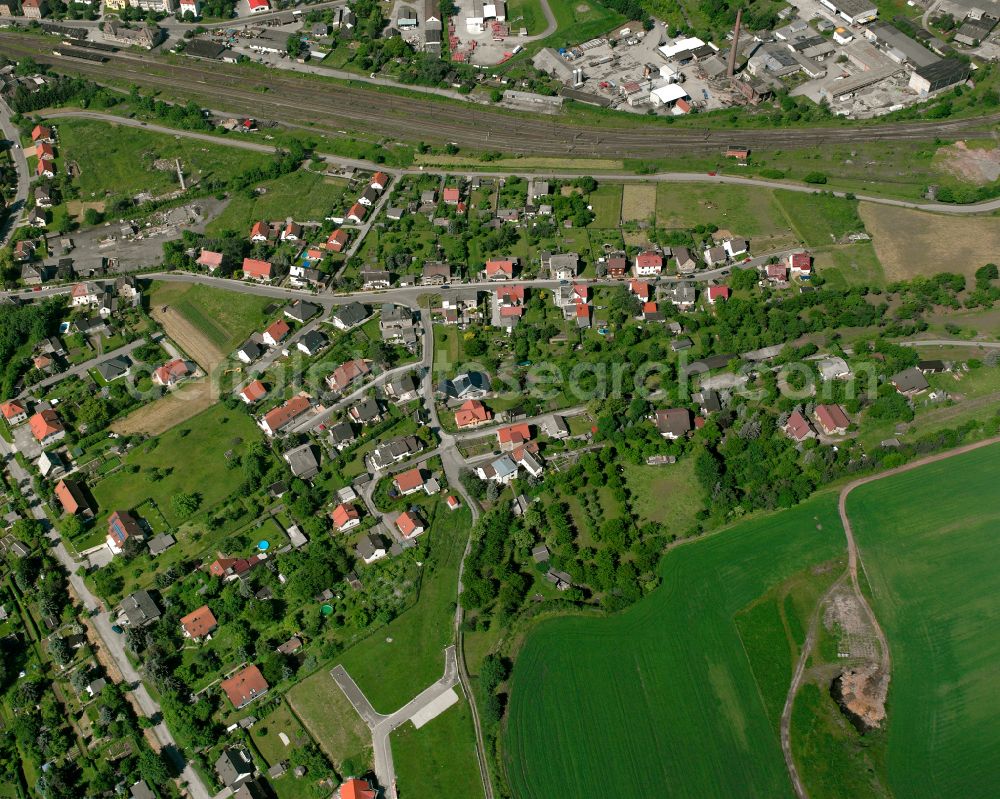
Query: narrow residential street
18, 203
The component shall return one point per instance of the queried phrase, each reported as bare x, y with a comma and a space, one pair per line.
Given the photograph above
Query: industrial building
856, 12
939, 75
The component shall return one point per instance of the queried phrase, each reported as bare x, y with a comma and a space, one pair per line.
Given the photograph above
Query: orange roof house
210, 260
41, 133
356, 789
253, 392
71, 497
472, 413
409, 481
337, 240
345, 517
276, 332
199, 623
245, 686
409, 524
170, 372
513, 436
832, 419
46, 427
13, 411
284, 414
497, 269
257, 269
259, 231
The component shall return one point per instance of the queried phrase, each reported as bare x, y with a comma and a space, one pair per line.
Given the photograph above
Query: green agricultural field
848, 265
392, 672
662, 698
127, 168
439, 759
819, 219
668, 495
745, 210
301, 195
929, 547
226, 318
209, 435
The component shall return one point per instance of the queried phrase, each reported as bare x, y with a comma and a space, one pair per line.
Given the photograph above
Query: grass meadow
928, 541
664, 699
819, 219
226, 318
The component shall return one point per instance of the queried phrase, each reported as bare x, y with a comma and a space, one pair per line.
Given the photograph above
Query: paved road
294, 98
111, 642
949, 342
83, 368
20, 200
383, 725
660, 177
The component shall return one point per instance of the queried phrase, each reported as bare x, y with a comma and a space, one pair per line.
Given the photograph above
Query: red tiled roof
285, 413
494, 267
45, 150
831, 417
409, 480
45, 423
245, 686
512, 295
41, 132
254, 391
407, 524
451, 194
343, 514
199, 623
337, 240
123, 526
11, 409
640, 288
649, 307
718, 292
801, 261
356, 789
210, 259
472, 412
70, 497
649, 260
777, 271
170, 371
278, 330
259, 229
358, 211
256, 268
798, 426
347, 373
380, 179
514, 434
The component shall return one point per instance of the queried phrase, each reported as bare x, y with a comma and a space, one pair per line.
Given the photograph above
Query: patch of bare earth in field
977, 165
909, 243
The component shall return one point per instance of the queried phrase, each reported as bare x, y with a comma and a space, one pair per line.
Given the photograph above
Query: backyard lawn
668, 495
606, 202
439, 759
130, 168
302, 195
209, 435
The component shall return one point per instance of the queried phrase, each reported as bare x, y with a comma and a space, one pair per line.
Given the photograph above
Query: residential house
122, 526
256, 789
910, 382
171, 373
260, 232
651, 312
673, 423
345, 517
686, 263
337, 240
199, 624
311, 343
72, 498
367, 411
51, 464
716, 293
128, 289
462, 307
617, 266
258, 270
254, 392
777, 273
47, 428
409, 524
409, 482
472, 413
715, 256
350, 315
276, 332
583, 315
302, 461
648, 264
435, 273
159, 544
292, 231
276, 420
641, 290
301, 311
375, 279
468, 385
403, 388
833, 367
398, 325
500, 268
341, 435
736, 247
832, 419
235, 765
379, 182
249, 352
43, 197
42, 133
138, 609
24, 250
393, 451
452, 195
140, 790
230, 569
800, 264
683, 295
508, 306
798, 428
554, 426
932, 367
708, 401
45, 168
356, 214
347, 373
561, 266
14, 412
370, 548
83, 294
245, 686
368, 197
513, 436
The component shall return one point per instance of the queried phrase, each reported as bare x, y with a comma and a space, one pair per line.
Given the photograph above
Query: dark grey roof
351, 314
302, 461
467, 384
139, 608
341, 433
234, 765
911, 379
313, 340
366, 410
404, 384
369, 544
300, 310
114, 367
141, 791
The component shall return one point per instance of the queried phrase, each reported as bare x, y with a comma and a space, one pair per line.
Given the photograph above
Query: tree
815, 178
184, 504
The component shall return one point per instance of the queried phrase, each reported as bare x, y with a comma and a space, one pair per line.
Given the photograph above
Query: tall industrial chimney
736, 43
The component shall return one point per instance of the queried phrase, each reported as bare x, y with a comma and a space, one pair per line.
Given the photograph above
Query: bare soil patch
911, 243
178, 406
977, 165
77, 209
638, 202
190, 339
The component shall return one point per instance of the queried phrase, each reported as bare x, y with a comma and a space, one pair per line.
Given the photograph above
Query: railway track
332, 108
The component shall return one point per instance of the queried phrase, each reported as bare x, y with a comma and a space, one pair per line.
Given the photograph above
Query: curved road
853, 561
660, 177
20, 199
